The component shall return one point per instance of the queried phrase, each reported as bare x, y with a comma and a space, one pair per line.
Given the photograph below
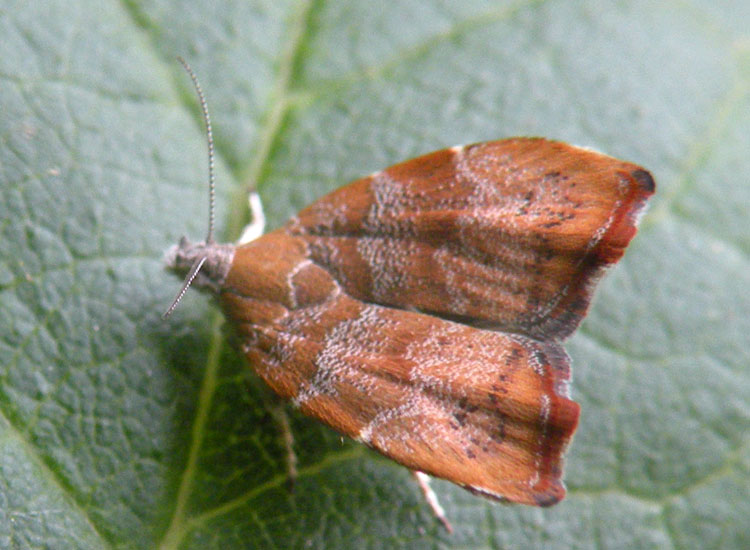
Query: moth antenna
210, 139
195, 268
192, 274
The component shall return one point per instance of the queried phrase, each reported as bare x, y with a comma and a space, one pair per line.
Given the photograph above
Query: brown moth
421, 310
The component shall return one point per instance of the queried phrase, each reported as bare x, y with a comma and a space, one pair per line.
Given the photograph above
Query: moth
421, 310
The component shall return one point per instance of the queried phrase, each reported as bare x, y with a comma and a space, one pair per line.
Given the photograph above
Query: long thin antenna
193, 273
210, 137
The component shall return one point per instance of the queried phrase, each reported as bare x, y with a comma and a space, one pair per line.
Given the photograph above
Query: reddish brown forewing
420, 310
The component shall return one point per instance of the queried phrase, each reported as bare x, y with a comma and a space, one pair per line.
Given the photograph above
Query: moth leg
255, 228
281, 419
423, 480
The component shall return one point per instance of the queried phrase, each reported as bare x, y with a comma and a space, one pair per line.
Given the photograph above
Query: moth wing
510, 234
486, 410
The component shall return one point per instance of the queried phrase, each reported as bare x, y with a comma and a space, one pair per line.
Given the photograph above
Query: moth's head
207, 264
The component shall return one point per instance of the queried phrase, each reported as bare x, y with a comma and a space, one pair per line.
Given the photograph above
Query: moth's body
420, 310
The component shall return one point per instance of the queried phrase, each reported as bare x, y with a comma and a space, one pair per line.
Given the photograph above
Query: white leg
424, 483
255, 228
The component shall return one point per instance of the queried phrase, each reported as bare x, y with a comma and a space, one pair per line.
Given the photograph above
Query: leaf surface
120, 431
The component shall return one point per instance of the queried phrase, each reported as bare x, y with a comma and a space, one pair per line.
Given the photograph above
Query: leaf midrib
180, 524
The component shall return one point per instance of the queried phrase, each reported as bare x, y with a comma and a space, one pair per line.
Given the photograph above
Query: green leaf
120, 430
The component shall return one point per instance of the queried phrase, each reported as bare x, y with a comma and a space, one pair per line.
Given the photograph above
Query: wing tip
645, 180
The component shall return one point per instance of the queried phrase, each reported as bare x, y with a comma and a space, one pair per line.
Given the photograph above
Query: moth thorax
213, 273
